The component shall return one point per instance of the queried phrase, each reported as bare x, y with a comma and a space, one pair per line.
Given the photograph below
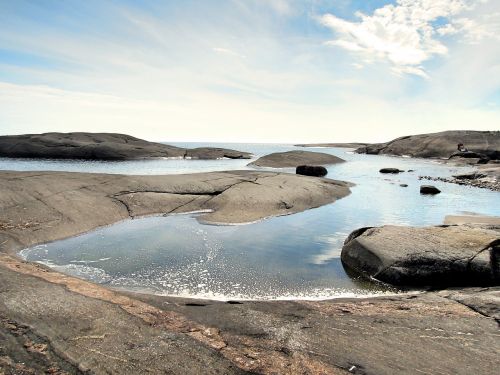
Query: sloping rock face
45, 206
292, 159
463, 255
101, 146
439, 145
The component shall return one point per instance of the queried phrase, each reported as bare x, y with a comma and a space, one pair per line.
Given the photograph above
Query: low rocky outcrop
102, 146
339, 145
439, 145
44, 206
390, 170
429, 190
292, 159
440, 256
311, 170
487, 176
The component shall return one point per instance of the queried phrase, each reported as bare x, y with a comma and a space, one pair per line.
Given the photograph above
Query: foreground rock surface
51, 322
101, 146
439, 145
292, 159
464, 255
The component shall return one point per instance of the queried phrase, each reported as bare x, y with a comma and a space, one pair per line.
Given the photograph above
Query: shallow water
296, 256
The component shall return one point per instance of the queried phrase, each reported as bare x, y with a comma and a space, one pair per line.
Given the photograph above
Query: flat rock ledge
45, 206
440, 256
292, 159
102, 146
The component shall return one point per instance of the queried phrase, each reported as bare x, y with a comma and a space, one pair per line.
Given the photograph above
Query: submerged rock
311, 170
464, 255
429, 190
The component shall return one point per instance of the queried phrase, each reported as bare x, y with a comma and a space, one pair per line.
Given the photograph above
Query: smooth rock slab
438, 145
463, 255
292, 159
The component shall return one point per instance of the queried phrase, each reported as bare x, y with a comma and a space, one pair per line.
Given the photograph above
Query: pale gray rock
292, 159
463, 255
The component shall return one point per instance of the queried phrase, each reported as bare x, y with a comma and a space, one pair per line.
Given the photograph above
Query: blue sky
250, 70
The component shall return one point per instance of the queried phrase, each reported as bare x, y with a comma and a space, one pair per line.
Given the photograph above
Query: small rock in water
403, 185
390, 170
429, 189
311, 170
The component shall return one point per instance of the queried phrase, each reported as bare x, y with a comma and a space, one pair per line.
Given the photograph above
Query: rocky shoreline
57, 324
53, 323
485, 177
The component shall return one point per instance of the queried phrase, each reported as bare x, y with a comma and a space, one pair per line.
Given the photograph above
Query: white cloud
405, 34
473, 31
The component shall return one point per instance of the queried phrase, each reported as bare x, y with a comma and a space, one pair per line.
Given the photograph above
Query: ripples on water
296, 256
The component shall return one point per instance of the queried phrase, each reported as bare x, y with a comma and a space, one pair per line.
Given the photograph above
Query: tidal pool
296, 256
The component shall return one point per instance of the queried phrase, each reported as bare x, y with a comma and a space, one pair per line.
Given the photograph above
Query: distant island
341, 145
102, 146
441, 145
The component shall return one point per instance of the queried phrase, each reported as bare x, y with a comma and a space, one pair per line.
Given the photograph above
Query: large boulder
101, 146
311, 170
440, 256
439, 145
292, 159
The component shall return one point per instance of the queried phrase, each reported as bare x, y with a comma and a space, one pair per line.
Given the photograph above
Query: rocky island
102, 146
340, 145
292, 159
480, 149
441, 145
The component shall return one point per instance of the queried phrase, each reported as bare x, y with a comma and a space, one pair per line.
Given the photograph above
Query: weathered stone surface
311, 170
105, 331
439, 145
430, 256
101, 146
429, 189
472, 219
44, 206
390, 170
292, 159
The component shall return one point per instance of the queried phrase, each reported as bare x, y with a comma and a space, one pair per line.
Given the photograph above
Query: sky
250, 70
